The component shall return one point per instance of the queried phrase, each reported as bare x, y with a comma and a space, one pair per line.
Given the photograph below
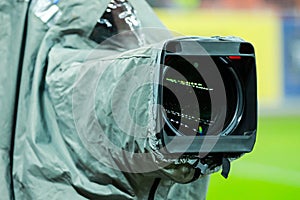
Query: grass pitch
271, 171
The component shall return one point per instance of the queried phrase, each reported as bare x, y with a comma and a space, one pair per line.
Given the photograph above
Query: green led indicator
200, 130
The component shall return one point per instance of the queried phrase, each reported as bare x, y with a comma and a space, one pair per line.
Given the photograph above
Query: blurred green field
271, 171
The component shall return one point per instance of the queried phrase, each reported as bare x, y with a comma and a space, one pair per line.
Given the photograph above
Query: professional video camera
208, 93
205, 89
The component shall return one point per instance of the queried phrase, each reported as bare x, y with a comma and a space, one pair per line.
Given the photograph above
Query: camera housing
208, 94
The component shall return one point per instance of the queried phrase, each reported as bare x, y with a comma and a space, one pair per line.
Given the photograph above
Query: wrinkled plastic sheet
74, 136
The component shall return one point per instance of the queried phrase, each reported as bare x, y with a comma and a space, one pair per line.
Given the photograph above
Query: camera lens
186, 97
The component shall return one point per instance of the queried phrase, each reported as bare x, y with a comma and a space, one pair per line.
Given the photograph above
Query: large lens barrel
182, 80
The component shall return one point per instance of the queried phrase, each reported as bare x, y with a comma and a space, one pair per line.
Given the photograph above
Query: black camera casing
234, 59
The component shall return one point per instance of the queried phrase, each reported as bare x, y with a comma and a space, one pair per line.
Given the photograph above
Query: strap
225, 167
153, 189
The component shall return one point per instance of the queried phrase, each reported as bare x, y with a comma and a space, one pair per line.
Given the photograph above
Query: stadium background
272, 170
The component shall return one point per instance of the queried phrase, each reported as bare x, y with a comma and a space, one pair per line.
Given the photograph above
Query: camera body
208, 96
